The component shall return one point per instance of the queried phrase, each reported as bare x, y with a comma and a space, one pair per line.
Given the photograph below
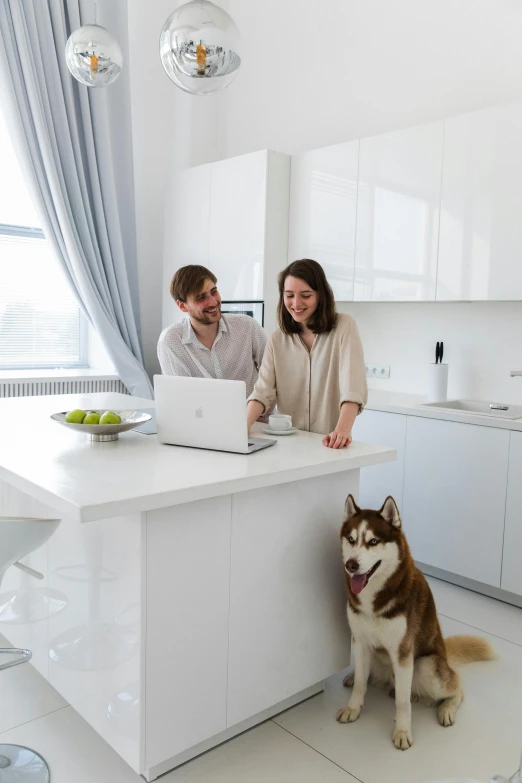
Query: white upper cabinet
398, 215
424, 213
323, 203
480, 247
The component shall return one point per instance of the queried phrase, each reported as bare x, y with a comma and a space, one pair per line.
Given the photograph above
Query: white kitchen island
188, 594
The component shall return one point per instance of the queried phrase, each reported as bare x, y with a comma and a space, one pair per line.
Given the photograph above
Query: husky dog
397, 641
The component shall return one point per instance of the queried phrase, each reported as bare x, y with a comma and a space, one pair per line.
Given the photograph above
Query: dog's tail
467, 649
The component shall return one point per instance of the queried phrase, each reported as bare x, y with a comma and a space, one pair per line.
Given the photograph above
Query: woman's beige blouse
311, 387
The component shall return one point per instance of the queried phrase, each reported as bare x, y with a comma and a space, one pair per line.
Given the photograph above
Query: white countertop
412, 405
89, 480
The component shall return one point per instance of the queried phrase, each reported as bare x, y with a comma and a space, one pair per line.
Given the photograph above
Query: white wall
152, 135
316, 73
482, 343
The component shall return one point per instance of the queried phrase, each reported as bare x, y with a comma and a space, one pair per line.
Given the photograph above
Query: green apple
92, 418
110, 418
75, 417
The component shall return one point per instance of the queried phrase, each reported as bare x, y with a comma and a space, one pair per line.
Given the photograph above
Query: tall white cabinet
480, 246
231, 216
398, 215
187, 220
323, 209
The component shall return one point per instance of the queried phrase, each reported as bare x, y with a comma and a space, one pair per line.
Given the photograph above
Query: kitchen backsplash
482, 343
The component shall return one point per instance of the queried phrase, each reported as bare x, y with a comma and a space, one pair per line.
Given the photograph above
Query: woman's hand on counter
338, 439
342, 434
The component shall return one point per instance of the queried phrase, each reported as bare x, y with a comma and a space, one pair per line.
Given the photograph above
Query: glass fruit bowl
104, 432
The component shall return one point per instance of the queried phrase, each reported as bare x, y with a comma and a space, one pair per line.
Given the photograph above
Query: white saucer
269, 431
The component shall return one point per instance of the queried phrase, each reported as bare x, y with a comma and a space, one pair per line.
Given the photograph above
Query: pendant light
199, 48
93, 55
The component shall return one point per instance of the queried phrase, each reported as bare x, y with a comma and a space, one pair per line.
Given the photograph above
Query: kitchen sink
496, 409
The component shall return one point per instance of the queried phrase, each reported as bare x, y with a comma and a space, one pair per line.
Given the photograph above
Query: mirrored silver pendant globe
93, 56
199, 48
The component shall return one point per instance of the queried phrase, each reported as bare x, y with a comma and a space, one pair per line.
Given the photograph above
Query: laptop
204, 413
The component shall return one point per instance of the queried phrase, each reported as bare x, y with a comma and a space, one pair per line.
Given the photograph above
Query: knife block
438, 383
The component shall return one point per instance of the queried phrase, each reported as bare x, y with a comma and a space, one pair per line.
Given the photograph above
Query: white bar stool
19, 536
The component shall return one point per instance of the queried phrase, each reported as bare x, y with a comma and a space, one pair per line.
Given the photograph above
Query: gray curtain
61, 133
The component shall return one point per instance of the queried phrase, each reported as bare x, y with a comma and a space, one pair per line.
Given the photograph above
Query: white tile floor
306, 744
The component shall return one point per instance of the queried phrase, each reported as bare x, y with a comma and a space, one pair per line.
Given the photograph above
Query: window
41, 324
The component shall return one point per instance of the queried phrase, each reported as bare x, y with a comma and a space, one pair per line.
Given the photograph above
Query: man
208, 344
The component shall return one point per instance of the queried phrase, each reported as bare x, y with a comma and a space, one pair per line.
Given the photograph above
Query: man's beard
206, 319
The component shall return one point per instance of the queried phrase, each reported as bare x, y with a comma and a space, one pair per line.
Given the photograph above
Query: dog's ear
390, 512
350, 507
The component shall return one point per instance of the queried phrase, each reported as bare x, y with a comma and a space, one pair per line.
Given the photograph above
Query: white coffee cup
280, 421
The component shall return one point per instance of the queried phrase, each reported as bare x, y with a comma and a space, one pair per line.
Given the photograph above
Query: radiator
60, 386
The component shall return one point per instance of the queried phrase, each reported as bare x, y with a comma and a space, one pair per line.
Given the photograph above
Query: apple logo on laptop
199, 413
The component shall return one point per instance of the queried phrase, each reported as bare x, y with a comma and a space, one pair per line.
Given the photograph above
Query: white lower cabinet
512, 557
379, 481
455, 478
287, 586
187, 596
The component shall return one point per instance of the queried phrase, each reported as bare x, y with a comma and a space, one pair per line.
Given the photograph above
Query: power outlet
377, 371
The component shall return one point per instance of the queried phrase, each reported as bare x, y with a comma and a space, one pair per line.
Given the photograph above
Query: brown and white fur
397, 641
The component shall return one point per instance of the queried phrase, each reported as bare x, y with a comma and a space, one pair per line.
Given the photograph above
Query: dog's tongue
357, 583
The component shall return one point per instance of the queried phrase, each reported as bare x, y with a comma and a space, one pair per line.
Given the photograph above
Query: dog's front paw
447, 714
349, 680
402, 739
349, 713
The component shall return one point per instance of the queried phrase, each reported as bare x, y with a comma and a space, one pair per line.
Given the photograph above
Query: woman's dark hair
325, 317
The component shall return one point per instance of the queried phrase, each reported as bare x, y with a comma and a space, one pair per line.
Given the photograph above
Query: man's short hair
189, 281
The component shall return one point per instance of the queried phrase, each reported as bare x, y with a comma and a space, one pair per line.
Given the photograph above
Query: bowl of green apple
101, 424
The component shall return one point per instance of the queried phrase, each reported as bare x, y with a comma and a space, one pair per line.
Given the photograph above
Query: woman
313, 365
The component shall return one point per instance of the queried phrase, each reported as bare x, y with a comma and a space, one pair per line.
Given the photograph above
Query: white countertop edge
444, 414
205, 491
38, 493
140, 504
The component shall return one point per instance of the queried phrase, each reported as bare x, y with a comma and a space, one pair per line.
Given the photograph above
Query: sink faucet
515, 373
